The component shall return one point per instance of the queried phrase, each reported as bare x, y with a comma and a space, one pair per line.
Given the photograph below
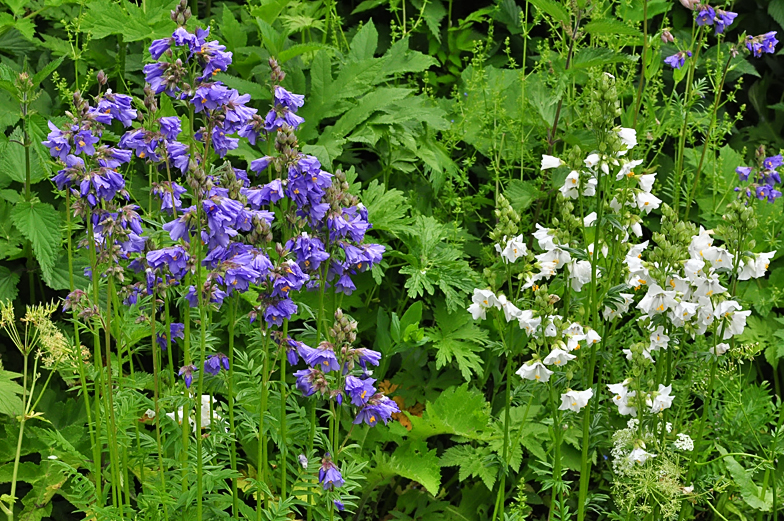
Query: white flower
719, 258
640, 456
149, 413
592, 337
571, 186
575, 328
528, 322
646, 201
720, 349
549, 329
646, 181
629, 138
627, 170
534, 371
668, 426
303, 461
575, 400
589, 219
610, 313
661, 399
700, 242
684, 442
592, 160
550, 162
511, 312
545, 237
645, 354
687, 490
659, 340
708, 286
514, 249
657, 300
558, 357
206, 421
755, 268
704, 314
683, 312
637, 249
579, 274
604, 250
621, 397
678, 284
729, 310
557, 255
483, 299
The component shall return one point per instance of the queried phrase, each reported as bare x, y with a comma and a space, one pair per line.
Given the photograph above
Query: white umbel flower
550, 162
684, 442
575, 400
534, 371
558, 357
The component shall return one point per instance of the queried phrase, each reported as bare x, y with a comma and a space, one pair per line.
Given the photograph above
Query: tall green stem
283, 451
232, 431
261, 473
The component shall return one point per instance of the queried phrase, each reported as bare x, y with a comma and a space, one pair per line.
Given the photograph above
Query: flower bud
101, 76
690, 4
667, 36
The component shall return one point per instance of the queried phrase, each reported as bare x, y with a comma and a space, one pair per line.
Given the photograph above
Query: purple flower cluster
764, 43
677, 60
763, 181
719, 18
329, 474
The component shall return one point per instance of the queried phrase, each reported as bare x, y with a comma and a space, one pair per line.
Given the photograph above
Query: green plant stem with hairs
283, 451
232, 430
261, 472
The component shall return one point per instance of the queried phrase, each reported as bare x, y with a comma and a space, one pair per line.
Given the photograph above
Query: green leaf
12, 163
414, 461
457, 411
776, 11
388, 210
256, 91
749, 490
16, 6
553, 9
473, 462
457, 337
364, 43
610, 26
521, 194
232, 31
105, 17
47, 70
298, 49
10, 402
367, 5
40, 223
8, 284
598, 56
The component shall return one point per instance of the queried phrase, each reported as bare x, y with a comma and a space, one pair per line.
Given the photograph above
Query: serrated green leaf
458, 338
40, 223
414, 461
521, 194
298, 49
596, 56
388, 210
12, 163
553, 9
776, 11
232, 31
10, 402
457, 411
9, 281
256, 91
367, 5
610, 26
363, 45
47, 70
473, 462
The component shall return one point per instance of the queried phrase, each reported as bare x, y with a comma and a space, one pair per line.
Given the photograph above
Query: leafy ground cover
391, 259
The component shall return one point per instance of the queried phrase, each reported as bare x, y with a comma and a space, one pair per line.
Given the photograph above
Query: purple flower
155, 75
310, 251
214, 58
112, 157
279, 310
116, 106
169, 194
309, 381
210, 96
677, 60
176, 330
182, 37
57, 143
367, 356
180, 227
179, 155
724, 19
142, 142
186, 372
706, 15
84, 141
764, 43
159, 47
74, 166
259, 165
279, 116
329, 475
359, 390
215, 362
174, 257
213, 294
379, 407
221, 143
287, 99
339, 505
170, 127
101, 184
771, 163
237, 114
322, 357
241, 274
743, 172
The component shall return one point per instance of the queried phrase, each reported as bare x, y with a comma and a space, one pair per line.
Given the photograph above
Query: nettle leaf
40, 224
232, 30
595, 56
364, 43
10, 402
12, 163
473, 462
457, 337
9, 281
749, 490
554, 9
414, 461
458, 411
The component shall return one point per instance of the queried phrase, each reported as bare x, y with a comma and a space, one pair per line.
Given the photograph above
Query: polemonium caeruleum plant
570, 288
218, 237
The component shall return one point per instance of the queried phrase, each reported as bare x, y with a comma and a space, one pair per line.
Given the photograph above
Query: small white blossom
550, 162
719, 258
755, 268
589, 219
303, 461
534, 371
528, 322
700, 242
545, 237
557, 255
629, 138
657, 300
592, 160
640, 456
579, 274
661, 399
149, 413
729, 310
646, 201
627, 170
575, 400
514, 249
483, 299
621, 395
720, 349
659, 340
558, 357
684, 442
592, 337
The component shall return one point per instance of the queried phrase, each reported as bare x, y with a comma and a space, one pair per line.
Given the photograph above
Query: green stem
232, 431
262, 452
10, 508
642, 69
283, 447
98, 362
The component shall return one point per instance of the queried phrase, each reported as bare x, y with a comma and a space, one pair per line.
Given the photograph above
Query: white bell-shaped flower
550, 162
558, 357
657, 300
661, 399
534, 371
575, 400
